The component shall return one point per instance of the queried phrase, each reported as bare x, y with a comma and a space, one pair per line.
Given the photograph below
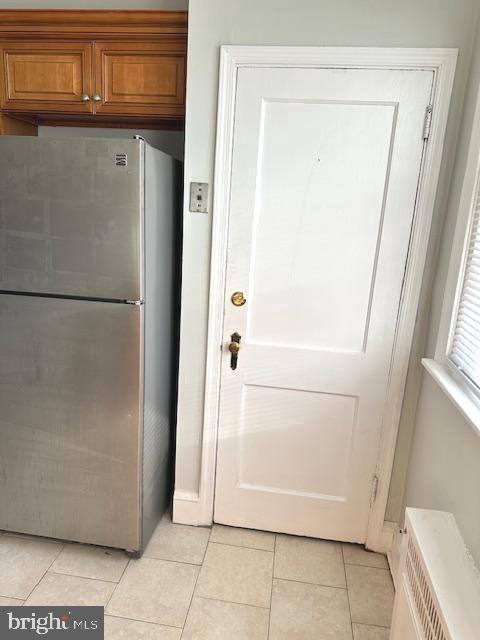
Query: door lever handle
234, 348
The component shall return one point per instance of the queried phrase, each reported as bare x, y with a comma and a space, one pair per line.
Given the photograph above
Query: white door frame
442, 62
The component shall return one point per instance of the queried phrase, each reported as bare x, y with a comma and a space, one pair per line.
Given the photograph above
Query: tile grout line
348, 595
189, 564
271, 592
190, 604
238, 546
312, 584
366, 566
62, 547
206, 547
12, 598
195, 585
155, 624
240, 604
75, 575
369, 624
115, 588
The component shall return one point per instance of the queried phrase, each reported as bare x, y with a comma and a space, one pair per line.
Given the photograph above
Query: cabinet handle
85, 98
97, 98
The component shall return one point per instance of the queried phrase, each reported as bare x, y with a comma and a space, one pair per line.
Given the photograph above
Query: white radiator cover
438, 590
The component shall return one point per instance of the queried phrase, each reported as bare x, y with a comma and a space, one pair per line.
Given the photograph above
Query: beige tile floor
197, 584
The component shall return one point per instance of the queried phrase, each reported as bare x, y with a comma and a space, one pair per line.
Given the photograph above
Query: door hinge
373, 495
428, 122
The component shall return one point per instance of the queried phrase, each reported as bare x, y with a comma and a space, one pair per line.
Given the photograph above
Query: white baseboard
186, 508
386, 539
394, 553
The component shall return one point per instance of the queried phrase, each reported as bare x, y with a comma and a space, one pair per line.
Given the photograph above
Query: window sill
457, 391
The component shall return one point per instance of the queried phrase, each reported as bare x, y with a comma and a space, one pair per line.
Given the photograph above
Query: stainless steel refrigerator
86, 338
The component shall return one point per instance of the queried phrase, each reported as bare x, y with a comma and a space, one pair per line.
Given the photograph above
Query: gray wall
419, 23
444, 469
170, 142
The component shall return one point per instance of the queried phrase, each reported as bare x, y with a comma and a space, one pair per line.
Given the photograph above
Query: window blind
465, 345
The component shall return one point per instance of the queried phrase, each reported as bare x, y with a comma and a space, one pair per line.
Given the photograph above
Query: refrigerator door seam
55, 296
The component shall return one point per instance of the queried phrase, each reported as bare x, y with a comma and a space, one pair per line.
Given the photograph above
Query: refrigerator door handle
137, 303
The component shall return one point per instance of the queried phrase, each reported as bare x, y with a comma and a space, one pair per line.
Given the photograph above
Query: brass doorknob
234, 348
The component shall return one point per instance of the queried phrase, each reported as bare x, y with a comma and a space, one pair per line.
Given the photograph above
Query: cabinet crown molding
87, 23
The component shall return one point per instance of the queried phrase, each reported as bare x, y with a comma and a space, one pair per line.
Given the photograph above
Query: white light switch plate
199, 197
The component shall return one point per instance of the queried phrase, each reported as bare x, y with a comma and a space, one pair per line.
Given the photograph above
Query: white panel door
325, 170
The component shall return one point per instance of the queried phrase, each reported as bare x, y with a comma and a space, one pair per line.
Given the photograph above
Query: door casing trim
442, 62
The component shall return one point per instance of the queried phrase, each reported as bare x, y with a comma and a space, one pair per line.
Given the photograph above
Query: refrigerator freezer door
71, 214
70, 385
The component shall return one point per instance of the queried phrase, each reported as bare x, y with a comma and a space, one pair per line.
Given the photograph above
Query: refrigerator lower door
70, 385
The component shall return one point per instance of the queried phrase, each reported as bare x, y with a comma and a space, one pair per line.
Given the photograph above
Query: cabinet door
141, 79
47, 77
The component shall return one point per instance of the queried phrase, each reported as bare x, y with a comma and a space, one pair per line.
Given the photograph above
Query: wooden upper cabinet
94, 67
140, 78
47, 76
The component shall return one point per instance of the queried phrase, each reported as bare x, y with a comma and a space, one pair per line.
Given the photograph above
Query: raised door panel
146, 79
47, 77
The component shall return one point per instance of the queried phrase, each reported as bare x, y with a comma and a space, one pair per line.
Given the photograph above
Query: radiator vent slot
425, 604
121, 160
